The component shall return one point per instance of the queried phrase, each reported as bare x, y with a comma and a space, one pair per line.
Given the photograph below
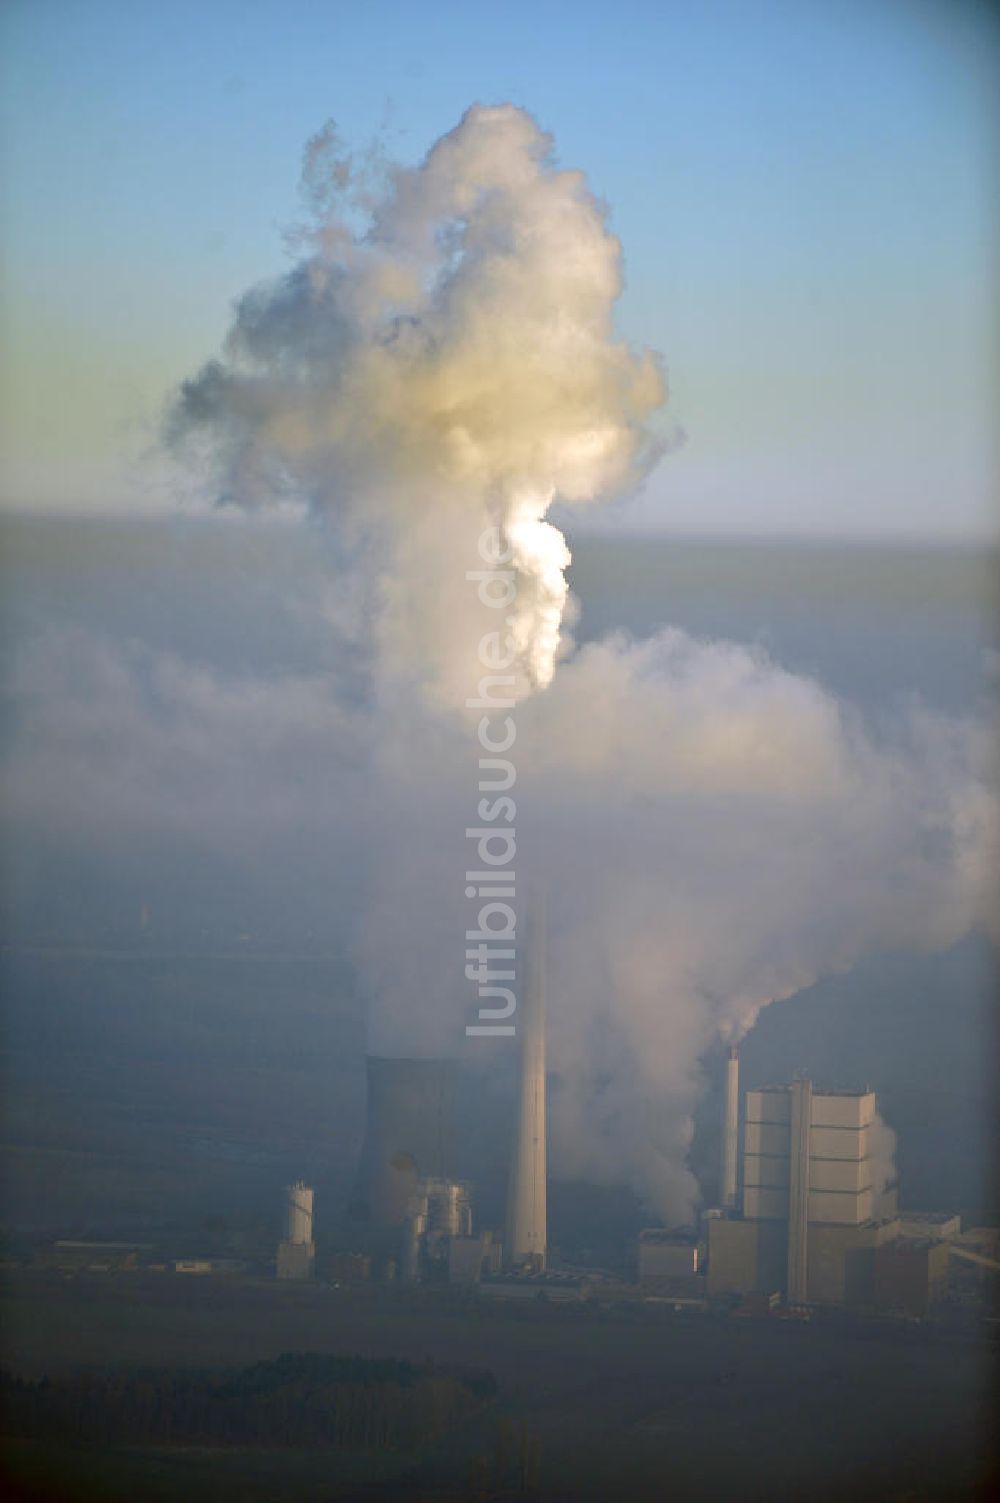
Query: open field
629, 1403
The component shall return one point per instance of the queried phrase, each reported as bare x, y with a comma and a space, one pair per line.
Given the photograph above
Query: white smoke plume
450, 361
714, 833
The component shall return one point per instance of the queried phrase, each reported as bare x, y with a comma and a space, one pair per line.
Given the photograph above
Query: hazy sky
803, 191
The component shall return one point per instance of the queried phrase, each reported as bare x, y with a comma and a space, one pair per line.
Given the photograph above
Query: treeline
301, 1399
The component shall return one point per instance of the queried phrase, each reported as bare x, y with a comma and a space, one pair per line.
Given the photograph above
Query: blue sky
804, 192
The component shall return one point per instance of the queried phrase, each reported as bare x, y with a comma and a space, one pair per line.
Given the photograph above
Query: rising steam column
525, 1241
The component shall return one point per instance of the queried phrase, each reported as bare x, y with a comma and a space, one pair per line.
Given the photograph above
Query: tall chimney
526, 1206
730, 1130
800, 1113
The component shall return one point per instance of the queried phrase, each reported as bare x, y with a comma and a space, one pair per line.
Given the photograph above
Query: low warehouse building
666, 1255
910, 1275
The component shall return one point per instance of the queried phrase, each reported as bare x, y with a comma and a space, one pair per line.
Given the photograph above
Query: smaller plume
882, 1152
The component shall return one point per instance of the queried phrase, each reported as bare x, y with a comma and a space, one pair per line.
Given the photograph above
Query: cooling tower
525, 1240
408, 1136
730, 1131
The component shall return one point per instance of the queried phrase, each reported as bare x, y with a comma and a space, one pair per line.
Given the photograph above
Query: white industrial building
440, 1211
813, 1213
470, 1258
297, 1249
666, 1256
825, 1136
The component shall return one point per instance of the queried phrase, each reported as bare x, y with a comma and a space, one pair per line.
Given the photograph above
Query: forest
300, 1399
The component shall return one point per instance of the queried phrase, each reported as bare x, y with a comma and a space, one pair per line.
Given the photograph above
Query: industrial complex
807, 1224
806, 1216
810, 1219
413, 1219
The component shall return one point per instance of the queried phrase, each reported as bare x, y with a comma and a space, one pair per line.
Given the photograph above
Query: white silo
297, 1250
299, 1213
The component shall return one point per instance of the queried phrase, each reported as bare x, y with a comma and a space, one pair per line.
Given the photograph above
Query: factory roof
106, 1246
681, 1236
823, 1090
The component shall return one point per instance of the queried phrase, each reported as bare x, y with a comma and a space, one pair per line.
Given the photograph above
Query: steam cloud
714, 833
451, 364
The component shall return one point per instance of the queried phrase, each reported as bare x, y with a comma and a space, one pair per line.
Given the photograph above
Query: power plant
813, 1221
802, 1221
812, 1215
409, 1210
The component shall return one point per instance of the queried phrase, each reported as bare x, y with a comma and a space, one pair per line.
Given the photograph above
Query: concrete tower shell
526, 1235
408, 1136
731, 1131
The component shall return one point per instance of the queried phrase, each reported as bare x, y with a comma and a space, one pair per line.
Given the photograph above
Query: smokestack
730, 1130
526, 1204
798, 1191
408, 1136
